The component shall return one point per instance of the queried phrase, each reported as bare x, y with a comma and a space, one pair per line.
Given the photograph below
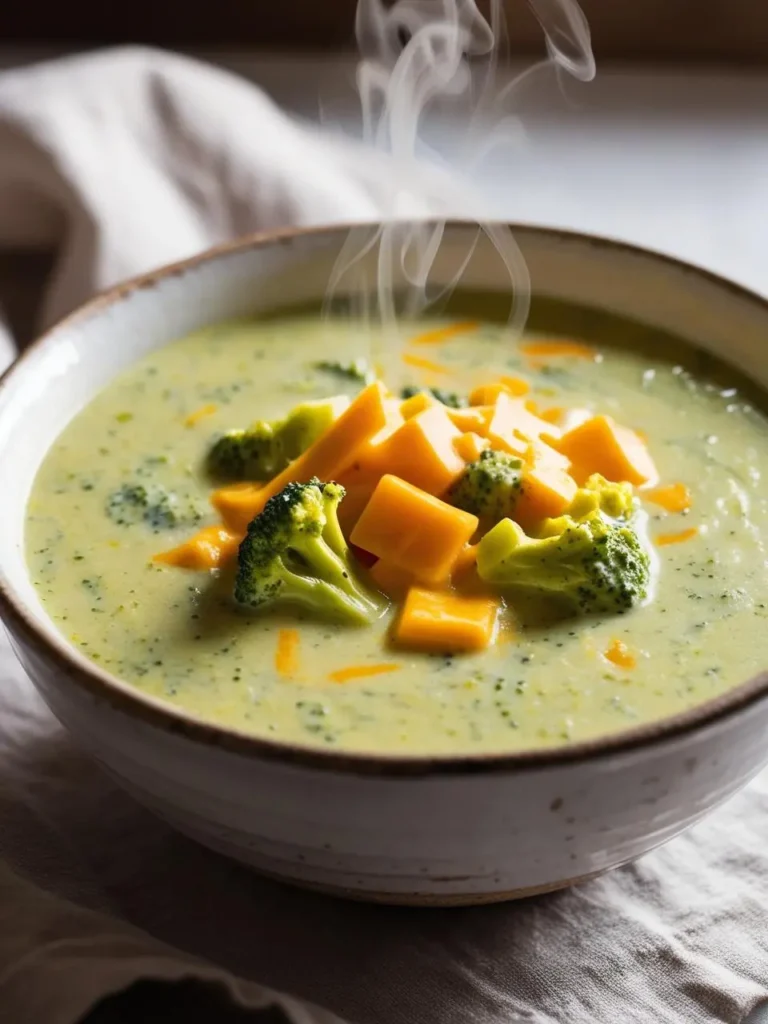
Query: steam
420, 57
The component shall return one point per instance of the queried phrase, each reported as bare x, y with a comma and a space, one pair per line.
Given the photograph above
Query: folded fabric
131, 158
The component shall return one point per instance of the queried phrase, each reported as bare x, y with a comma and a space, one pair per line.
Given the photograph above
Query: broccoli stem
322, 597
334, 538
334, 572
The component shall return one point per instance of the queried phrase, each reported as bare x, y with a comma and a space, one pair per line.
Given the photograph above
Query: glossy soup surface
175, 634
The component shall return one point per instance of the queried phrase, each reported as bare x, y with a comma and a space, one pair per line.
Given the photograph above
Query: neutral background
672, 157
711, 30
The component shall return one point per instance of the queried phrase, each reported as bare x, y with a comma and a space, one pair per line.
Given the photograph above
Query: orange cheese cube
503, 432
335, 450
412, 529
416, 404
470, 446
363, 472
486, 394
393, 419
443, 621
513, 421
235, 504
599, 445
475, 418
513, 426
368, 463
421, 451
547, 486
554, 414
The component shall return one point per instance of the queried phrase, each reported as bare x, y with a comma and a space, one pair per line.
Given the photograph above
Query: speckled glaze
393, 829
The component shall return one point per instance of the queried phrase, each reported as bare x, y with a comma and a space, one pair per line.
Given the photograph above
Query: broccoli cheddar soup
461, 542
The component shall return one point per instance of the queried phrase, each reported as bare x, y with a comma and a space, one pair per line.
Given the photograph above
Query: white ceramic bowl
398, 829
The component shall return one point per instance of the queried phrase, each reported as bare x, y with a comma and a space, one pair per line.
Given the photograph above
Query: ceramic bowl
400, 829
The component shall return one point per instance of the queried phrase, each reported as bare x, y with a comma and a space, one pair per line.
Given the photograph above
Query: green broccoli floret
591, 565
355, 369
600, 495
308, 421
489, 487
158, 509
252, 454
295, 553
264, 449
449, 398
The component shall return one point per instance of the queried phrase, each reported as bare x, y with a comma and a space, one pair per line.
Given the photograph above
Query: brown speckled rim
51, 646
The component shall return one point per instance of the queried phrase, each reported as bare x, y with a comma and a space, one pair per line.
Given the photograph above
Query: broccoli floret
295, 553
252, 454
264, 449
355, 369
307, 422
600, 495
136, 503
489, 487
590, 565
449, 398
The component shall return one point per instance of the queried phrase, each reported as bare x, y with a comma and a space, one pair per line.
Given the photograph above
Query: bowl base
281, 871
289, 872
426, 899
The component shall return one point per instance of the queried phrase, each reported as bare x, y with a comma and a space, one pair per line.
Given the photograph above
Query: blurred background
719, 31
665, 148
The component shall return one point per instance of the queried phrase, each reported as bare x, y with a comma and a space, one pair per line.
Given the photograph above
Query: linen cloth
121, 161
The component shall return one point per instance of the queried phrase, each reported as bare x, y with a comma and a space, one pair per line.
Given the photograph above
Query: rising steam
419, 57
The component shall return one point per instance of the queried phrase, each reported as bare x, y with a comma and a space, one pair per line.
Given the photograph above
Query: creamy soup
176, 634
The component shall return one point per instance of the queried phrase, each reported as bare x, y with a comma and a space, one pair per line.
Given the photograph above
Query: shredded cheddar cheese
343, 675
677, 538
672, 497
442, 334
424, 364
287, 653
200, 414
620, 655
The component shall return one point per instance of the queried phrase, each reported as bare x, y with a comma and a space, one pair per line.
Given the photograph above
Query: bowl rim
96, 683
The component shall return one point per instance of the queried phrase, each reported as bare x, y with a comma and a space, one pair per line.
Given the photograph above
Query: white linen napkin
121, 161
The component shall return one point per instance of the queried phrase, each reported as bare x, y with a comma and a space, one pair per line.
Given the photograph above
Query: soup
289, 674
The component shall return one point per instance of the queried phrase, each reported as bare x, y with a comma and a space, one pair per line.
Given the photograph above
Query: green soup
176, 634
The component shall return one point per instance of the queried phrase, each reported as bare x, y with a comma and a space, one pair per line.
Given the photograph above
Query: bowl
397, 829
